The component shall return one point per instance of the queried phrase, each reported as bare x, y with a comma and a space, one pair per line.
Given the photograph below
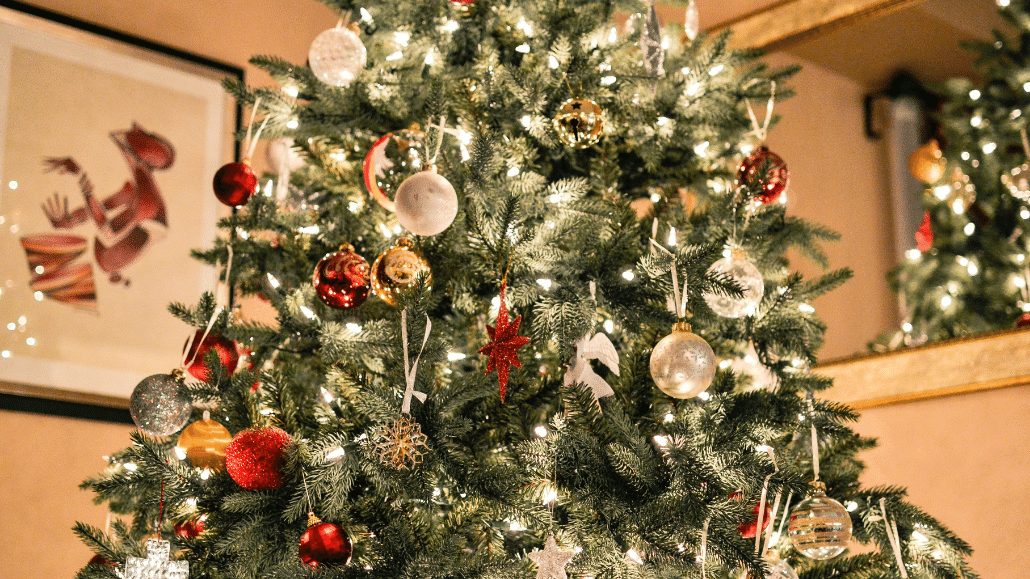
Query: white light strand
892, 537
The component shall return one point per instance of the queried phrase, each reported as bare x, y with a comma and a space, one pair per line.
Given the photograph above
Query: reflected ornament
234, 183
426, 203
927, 162
746, 275
394, 272
341, 279
204, 443
392, 159
337, 56
324, 544
765, 168
820, 527
579, 123
682, 363
156, 565
160, 404
1017, 181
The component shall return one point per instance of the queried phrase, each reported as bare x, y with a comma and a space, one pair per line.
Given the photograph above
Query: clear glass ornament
156, 565
739, 269
1017, 181
776, 568
820, 527
682, 363
160, 404
748, 363
337, 56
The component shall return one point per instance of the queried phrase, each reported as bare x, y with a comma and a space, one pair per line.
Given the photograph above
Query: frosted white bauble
281, 157
682, 363
739, 269
426, 203
337, 56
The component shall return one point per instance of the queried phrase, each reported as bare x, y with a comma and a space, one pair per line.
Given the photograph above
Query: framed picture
107, 148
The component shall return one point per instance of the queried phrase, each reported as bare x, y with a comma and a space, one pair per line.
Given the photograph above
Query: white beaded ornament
156, 565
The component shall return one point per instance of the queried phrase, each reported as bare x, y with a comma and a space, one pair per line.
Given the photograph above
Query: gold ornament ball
579, 123
682, 363
394, 272
204, 442
927, 163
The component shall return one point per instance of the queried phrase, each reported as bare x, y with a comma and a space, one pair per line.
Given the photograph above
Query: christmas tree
968, 273
499, 393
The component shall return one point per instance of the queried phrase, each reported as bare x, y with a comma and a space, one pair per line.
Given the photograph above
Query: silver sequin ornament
337, 56
160, 404
682, 363
156, 565
820, 527
739, 269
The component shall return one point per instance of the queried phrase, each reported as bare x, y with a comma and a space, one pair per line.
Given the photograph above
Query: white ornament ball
682, 363
820, 527
282, 158
739, 269
426, 203
337, 56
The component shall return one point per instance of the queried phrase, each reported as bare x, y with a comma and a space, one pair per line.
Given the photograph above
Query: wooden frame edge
941, 393
61, 395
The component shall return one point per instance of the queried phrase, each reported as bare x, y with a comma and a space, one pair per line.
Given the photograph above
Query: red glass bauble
341, 279
234, 184
255, 458
1023, 321
226, 349
189, 529
98, 560
774, 178
749, 529
325, 544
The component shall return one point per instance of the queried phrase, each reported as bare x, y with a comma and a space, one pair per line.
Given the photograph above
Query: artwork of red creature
127, 222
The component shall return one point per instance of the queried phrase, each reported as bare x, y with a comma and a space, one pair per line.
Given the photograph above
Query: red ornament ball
99, 560
748, 529
190, 529
341, 279
1023, 320
255, 458
226, 349
924, 237
324, 544
234, 183
767, 168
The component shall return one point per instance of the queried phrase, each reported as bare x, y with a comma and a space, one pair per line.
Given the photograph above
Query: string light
628, 275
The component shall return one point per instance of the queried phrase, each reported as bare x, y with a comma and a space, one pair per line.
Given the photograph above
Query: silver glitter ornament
160, 404
337, 56
739, 269
682, 363
651, 44
551, 561
820, 527
156, 565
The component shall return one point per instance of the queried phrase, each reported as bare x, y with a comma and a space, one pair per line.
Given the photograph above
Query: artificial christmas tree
381, 417
969, 274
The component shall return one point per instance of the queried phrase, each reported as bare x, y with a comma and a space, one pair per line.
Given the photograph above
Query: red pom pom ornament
255, 458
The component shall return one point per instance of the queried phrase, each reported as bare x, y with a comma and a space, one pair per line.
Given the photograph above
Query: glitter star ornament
551, 561
504, 344
401, 444
156, 565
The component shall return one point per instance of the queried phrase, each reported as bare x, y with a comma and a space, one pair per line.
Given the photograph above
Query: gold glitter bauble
579, 123
204, 442
401, 444
394, 272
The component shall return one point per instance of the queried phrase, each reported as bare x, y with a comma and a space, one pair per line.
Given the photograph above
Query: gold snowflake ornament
401, 444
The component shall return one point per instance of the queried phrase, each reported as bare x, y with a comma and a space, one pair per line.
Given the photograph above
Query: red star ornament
504, 344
